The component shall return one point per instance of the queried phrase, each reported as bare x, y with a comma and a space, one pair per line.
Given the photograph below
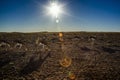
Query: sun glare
55, 9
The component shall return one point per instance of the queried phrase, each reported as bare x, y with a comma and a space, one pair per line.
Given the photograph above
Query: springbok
18, 45
3, 44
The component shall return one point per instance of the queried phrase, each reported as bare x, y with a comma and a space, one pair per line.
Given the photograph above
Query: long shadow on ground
33, 64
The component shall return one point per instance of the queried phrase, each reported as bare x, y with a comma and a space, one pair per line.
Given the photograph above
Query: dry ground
95, 56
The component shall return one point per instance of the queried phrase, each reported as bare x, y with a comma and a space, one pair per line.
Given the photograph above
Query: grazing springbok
3, 44
92, 38
18, 45
41, 45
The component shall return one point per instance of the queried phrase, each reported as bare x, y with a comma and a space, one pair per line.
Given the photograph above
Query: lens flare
61, 37
60, 34
65, 62
57, 20
71, 76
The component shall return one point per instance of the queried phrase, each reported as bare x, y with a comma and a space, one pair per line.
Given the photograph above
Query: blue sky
81, 15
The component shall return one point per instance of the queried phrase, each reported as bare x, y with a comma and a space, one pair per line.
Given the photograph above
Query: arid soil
36, 56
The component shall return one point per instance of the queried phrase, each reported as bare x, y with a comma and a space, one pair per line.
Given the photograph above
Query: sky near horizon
78, 15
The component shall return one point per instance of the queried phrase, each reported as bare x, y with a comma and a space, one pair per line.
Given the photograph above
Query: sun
54, 9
